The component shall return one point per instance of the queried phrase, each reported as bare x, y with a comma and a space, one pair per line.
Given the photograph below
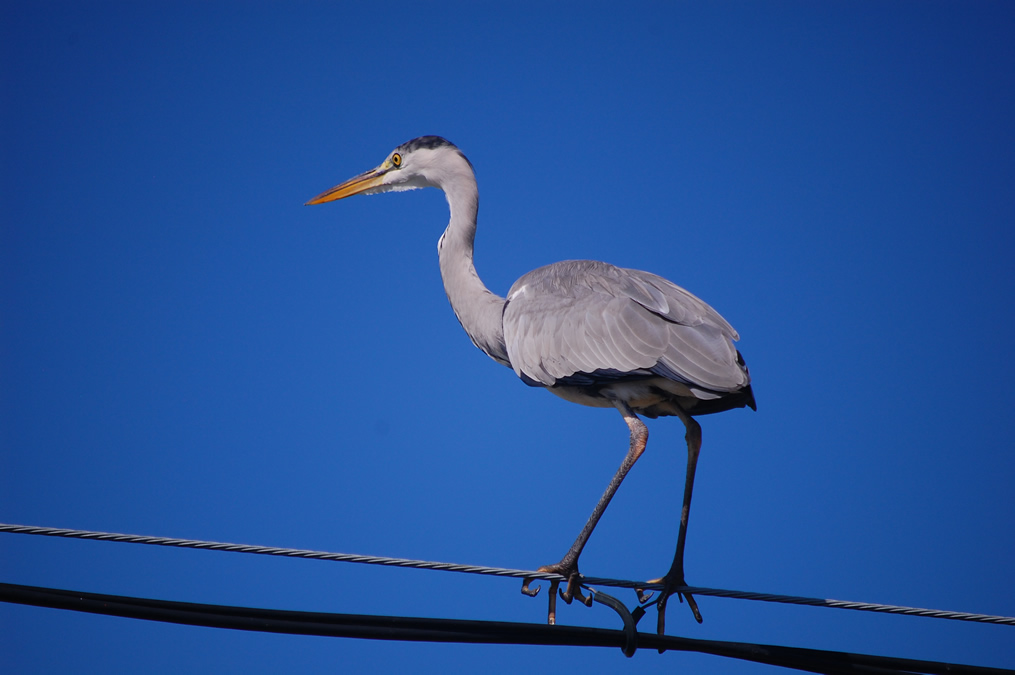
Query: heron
587, 331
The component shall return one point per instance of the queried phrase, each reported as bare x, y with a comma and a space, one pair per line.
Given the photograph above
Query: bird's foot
568, 570
672, 582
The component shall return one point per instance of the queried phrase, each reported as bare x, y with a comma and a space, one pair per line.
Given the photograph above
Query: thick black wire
497, 571
371, 627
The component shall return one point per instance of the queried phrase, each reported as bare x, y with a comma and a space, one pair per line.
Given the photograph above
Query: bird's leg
568, 565
675, 577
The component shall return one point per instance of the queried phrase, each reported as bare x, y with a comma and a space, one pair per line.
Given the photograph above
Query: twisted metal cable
498, 572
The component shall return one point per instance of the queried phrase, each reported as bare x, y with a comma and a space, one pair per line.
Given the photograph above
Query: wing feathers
585, 318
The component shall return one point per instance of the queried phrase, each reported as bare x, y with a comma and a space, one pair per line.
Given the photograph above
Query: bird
587, 331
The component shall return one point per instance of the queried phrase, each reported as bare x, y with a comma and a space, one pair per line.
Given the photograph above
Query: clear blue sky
188, 351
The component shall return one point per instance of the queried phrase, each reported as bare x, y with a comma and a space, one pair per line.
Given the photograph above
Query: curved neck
478, 309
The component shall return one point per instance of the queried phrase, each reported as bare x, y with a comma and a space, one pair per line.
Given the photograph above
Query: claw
551, 617
573, 590
694, 609
570, 591
643, 597
531, 592
577, 591
664, 596
661, 619
567, 595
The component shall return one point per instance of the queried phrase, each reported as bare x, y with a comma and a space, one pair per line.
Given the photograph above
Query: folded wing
583, 322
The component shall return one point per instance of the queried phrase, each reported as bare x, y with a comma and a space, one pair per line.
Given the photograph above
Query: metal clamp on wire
630, 625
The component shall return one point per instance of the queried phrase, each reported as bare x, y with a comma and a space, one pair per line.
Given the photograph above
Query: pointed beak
353, 186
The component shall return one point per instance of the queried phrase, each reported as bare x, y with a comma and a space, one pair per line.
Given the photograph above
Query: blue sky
187, 351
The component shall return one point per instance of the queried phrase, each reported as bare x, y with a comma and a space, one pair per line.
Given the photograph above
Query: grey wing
586, 317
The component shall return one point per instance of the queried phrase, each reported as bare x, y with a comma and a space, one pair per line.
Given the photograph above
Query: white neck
477, 308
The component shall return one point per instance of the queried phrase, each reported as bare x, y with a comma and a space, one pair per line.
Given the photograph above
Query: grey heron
587, 331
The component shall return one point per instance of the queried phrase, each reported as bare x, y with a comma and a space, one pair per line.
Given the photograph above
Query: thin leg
568, 565
675, 577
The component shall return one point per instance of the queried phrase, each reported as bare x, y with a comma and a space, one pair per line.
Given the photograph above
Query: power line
497, 571
467, 631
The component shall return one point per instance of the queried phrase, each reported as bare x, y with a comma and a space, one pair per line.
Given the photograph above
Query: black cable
465, 631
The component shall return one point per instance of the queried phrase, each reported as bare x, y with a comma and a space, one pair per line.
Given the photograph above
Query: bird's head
427, 161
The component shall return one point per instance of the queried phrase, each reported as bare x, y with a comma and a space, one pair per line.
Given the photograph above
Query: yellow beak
353, 186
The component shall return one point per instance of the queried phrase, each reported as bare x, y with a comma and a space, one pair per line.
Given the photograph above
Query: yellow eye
396, 160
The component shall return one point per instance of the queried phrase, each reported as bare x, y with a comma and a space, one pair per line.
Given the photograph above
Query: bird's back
587, 324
